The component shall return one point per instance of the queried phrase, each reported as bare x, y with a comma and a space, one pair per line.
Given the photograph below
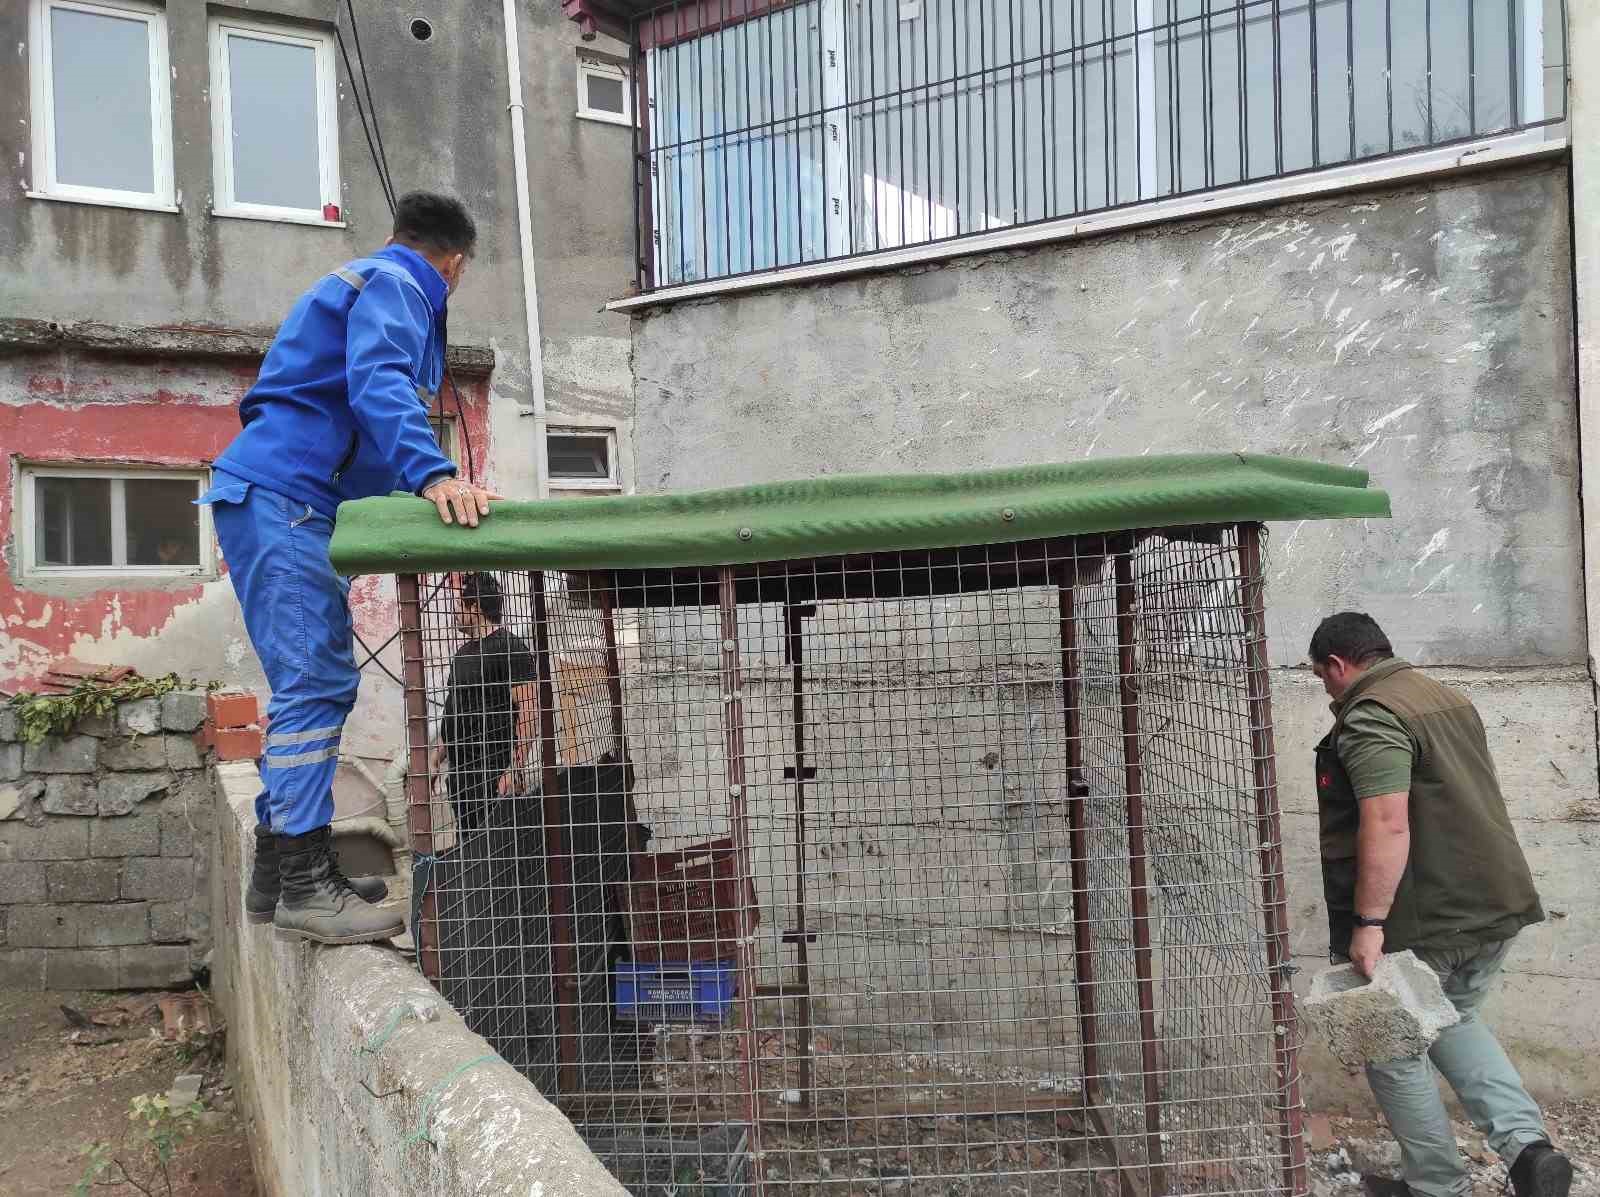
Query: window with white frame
274, 121
604, 92
113, 521
799, 130
583, 459
101, 103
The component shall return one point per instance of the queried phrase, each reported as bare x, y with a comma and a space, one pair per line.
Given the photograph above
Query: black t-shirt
479, 722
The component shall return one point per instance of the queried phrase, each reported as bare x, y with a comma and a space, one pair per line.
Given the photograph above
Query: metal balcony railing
778, 134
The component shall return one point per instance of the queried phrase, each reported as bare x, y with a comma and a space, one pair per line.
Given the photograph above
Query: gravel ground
1344, 1148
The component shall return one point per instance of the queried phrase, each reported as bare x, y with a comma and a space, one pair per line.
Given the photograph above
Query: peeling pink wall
63, 409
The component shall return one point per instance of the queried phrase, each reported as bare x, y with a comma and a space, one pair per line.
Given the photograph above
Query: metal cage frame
1205, 676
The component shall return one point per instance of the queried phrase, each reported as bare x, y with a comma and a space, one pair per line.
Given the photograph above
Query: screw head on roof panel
1008, 515
746, 534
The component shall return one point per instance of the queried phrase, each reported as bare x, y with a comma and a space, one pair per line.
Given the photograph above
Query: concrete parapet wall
357, 1076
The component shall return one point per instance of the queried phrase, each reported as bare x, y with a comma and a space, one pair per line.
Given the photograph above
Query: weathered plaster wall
357, 1078
581, 192
1424, 333
70, 407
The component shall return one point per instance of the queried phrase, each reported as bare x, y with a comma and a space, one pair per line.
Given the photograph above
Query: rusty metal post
419, 774
1078, 838
794, 650
564, 981
739, 826
608, 621
1269, 835
1138, 854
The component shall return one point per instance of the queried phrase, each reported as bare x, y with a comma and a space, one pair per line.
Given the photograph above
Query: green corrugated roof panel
824, 517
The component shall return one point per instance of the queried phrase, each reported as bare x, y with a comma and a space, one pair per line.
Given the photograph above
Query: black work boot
316, 902
1541, 1171
261, 898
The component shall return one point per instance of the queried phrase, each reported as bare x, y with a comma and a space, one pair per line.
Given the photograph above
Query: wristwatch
1363, 921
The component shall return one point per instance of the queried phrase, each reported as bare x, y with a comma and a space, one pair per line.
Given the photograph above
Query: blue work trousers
297, 612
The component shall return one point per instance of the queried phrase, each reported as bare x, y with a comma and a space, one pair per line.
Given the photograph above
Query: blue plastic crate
673, 992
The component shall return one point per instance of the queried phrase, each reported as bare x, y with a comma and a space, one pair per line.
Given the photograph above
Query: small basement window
82, 520
583, 459
604, 93
101, 102
274, 124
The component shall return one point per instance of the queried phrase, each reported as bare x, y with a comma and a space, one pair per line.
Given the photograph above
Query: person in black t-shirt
488, 724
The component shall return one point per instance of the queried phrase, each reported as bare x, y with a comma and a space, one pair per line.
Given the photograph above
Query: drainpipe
530, 290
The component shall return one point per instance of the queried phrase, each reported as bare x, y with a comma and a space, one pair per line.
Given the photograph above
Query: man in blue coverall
338, 412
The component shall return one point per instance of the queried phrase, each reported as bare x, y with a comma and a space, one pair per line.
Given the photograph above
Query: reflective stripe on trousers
297, 613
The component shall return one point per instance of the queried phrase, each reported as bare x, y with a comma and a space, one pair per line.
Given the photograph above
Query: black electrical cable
381, 157
380, 162
361, 112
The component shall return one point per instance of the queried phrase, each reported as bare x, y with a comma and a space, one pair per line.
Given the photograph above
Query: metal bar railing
958, 119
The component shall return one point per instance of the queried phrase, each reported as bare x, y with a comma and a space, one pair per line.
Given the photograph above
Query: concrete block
137, 835
43, 927
158, 880
120, 793
22, 968
56, 838
82, 880
153, 967
142, 717
113, 925
10, 725
183, 710
182, 752
1394, 1016
70, 794
126, 753
185, 1090
55, 754
169, 922
97, 725
22, 881
81, 968
10, 762
177, 838
17, 800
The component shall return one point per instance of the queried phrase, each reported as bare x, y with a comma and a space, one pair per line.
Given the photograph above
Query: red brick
232, 709
238, 743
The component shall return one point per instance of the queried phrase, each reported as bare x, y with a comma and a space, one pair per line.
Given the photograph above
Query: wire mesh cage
941, 871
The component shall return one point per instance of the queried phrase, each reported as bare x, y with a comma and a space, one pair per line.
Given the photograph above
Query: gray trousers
1472, 1060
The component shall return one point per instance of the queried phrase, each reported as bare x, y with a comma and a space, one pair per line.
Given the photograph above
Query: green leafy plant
41, 715
159, 1129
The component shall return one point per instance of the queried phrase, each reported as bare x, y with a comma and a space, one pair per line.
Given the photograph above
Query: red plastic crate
686, 906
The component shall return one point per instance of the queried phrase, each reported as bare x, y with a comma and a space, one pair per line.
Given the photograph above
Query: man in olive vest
1418, 852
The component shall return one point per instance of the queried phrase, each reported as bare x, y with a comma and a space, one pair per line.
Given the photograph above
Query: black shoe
1382, 1186
1541, 1171
318, 903
261, 898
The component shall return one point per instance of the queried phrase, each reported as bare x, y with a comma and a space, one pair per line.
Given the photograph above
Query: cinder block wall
105, 836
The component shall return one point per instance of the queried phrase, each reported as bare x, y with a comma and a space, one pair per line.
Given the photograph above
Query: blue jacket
336, 412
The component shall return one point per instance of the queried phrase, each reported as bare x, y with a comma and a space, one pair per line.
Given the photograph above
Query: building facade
182, 172
925, 237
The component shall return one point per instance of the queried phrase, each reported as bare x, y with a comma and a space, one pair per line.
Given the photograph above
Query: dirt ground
1343, 1148
62, 1087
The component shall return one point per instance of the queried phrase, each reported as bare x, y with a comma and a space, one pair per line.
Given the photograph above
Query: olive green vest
1466, 882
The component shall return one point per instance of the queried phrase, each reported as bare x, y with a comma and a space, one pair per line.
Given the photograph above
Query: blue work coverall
337, 413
